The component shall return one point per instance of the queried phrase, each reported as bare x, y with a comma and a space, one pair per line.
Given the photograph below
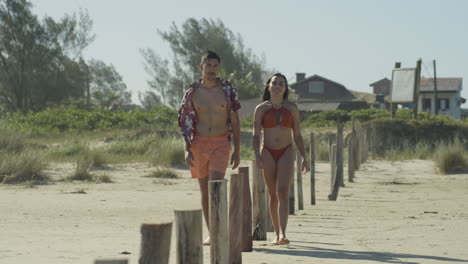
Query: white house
449, 99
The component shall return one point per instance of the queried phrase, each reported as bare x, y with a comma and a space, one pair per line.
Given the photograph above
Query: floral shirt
188, 116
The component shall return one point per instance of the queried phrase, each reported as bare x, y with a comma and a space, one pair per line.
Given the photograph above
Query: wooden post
312, 168
218, 214
246, 212
331, 141
393, 106
155, 243
361, 145
300, 197
338, 175
416, 89
188, 228
339, 154
259, 204
357, 146
436, 106
333, 166
111, 261
374, 141
351, 159
235, 218
291, 196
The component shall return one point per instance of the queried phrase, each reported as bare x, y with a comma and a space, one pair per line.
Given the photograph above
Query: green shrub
83, 167
71, 118
10, 140
247, 122
451, 159
26, 166
68, 150
168, 152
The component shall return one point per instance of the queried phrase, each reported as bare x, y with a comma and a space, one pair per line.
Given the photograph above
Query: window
443, 104
316, 87
427, 104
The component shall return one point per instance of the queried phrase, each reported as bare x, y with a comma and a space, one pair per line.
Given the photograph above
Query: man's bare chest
209, 100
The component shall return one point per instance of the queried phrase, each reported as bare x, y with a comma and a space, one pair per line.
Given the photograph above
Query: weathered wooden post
292, 197
188, 228
357, 145
246, 212
155, 243
339, 154
333, 166
218, 215
235, 218
312, 168
339, 164
259, 204
351, 159
300, 197
111, 261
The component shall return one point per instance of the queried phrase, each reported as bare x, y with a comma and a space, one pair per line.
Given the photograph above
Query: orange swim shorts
209, 154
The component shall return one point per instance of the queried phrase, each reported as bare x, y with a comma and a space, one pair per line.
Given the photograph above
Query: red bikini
270, 120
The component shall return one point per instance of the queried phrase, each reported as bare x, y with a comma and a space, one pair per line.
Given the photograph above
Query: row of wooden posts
233, 229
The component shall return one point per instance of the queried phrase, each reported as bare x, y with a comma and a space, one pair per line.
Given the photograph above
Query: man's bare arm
235, 159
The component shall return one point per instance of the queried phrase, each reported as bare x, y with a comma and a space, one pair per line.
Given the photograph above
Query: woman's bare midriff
277, 137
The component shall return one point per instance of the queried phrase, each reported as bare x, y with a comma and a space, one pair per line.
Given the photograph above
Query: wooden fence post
312, 168
218, 214
357, 145
333, 166
339, 164
351, 159
188, 228
292, 196
339, 154
155, 243
246, 212
235, 218
300, 197
259, 204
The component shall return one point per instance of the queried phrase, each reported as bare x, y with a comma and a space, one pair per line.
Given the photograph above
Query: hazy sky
352, 42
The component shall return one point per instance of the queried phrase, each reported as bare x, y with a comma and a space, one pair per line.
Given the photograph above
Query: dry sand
394, 212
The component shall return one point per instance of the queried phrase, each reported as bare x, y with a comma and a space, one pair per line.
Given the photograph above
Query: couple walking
208, 119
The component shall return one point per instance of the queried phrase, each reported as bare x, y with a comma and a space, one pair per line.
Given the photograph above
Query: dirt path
399, 212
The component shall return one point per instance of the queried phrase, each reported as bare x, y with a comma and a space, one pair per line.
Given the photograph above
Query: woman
279, 119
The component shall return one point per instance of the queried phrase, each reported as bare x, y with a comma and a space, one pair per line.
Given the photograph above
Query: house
449, 98
448, 95
382, 86
316, 94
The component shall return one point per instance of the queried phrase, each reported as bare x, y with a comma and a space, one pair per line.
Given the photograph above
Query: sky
354, 43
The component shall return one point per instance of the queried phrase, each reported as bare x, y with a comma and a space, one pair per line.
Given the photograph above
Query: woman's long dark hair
266, 93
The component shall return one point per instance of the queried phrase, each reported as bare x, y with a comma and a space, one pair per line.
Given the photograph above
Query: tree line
42, 63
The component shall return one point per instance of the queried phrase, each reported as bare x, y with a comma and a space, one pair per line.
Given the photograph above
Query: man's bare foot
275, 241
206, 242
283, 241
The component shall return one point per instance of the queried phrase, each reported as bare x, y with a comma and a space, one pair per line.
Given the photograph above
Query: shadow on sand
323, 253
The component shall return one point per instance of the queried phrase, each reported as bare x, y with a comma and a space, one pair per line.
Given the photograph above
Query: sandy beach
394, 212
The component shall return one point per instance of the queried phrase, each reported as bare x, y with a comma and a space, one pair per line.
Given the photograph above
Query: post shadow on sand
323, 253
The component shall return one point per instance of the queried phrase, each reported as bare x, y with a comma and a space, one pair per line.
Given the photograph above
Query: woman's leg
269, 174
284, 177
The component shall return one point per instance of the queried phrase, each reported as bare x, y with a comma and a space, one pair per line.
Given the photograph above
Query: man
208, 118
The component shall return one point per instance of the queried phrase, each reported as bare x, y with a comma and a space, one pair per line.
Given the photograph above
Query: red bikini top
285, 118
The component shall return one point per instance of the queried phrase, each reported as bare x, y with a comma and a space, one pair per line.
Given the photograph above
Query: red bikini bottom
277, 153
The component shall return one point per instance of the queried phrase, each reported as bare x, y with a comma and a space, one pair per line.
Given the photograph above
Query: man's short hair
210, 55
